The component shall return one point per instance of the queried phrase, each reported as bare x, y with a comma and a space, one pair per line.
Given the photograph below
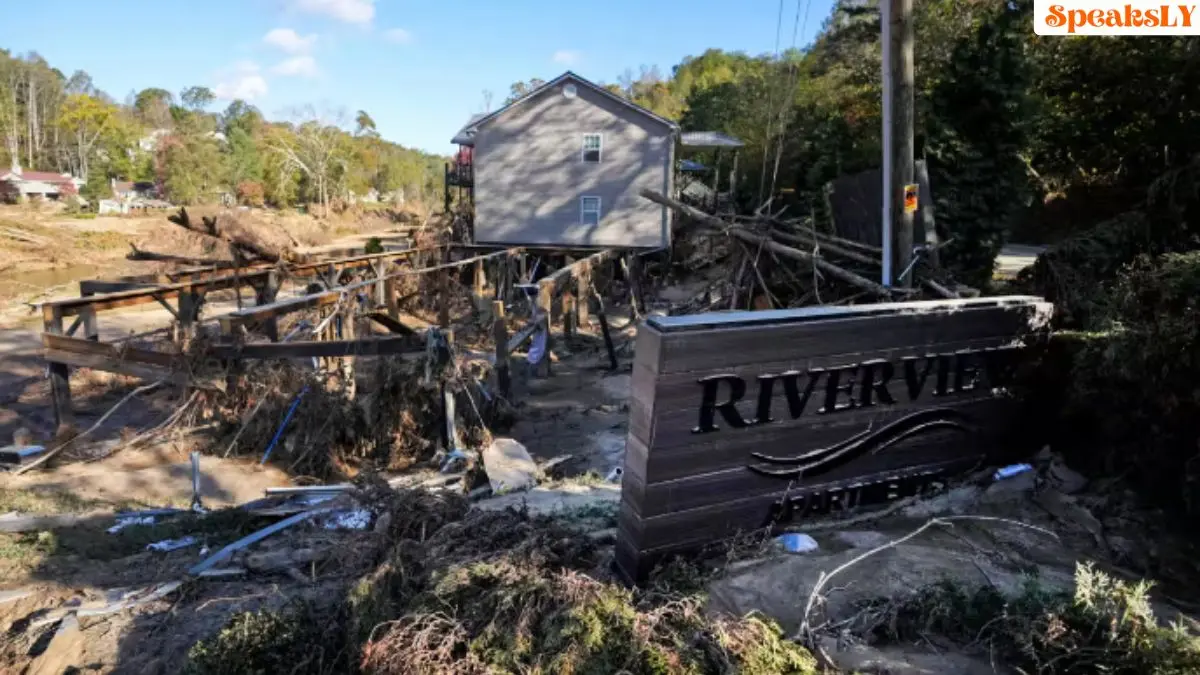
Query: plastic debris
126, 522
455, 461
358, 519
1011, 470
167, 545
796, 542
283, 425
537, 348
614, 476
508, 466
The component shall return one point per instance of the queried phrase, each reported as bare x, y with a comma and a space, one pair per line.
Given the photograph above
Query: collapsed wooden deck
499, 278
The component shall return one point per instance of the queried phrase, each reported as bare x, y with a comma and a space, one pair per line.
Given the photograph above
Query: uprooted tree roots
488, 592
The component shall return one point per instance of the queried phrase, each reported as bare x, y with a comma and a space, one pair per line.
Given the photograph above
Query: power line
783, 118
762, 177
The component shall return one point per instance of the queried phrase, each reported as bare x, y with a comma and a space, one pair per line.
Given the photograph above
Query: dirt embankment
45, 252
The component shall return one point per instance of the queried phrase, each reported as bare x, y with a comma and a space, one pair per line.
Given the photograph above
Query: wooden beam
329, 348
559, 278
390, 323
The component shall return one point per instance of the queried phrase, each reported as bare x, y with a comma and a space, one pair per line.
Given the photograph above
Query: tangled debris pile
383, 416
749, 262
461, 591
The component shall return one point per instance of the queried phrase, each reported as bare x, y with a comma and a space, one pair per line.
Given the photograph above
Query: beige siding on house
530, 174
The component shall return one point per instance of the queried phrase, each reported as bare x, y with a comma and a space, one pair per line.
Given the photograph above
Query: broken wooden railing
188, 290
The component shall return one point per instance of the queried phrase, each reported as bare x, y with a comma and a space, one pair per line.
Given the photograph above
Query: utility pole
897, 138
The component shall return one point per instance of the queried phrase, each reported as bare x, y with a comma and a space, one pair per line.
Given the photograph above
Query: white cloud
242, 80
298, 66
289, 41
566, 57
398, 35
350, 11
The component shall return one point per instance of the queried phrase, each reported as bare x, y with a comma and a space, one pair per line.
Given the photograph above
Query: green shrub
1135, 384
1106, 626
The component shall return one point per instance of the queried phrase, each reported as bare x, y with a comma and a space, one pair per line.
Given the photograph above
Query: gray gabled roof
466, 135
468, 132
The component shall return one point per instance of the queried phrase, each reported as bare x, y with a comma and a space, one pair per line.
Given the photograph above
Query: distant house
564, 166
18, 184
134, 190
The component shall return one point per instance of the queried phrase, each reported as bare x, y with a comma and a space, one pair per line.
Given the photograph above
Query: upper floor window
593, 145
589, 210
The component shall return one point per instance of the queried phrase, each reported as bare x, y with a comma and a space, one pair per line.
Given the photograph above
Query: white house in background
565, 165
18, 184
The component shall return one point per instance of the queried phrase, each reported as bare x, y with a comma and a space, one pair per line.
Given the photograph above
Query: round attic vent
569, 91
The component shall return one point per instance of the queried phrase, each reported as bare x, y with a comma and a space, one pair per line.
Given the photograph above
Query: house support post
500, 336
545, 304
60, 386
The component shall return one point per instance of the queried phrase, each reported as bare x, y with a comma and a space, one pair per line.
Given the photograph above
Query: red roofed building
17, 184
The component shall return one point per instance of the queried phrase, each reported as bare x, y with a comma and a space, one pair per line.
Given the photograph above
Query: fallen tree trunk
227, 227
806, 239
787, 251
139, 254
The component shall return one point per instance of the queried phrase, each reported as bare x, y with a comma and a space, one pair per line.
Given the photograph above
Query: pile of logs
843, 270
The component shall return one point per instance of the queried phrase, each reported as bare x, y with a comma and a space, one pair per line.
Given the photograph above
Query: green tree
153, 107
365, 124
84, 119
197, 98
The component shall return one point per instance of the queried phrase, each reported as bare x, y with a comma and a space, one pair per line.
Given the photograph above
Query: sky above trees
420, 67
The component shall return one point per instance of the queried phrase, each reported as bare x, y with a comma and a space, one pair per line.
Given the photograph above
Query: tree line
53, 122
1026, 137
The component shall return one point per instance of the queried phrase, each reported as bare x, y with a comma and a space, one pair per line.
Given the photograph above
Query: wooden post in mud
380, 269
568, 313
500, 336
60, 386
390, 296
608, 341
545, 303
264, 294
633, 270
477, 287
583, 291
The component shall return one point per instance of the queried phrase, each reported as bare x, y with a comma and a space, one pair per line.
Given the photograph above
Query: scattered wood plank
385, 320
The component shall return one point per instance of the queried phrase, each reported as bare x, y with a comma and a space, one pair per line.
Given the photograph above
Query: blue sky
419, 67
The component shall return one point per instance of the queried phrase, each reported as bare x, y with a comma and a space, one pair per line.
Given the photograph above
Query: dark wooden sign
742, 420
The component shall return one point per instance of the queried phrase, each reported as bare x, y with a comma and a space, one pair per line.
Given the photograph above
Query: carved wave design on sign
866, 442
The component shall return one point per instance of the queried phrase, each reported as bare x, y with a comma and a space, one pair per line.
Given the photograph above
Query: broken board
744, 420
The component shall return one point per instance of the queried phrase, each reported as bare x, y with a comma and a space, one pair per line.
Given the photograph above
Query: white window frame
583, 149
583, 210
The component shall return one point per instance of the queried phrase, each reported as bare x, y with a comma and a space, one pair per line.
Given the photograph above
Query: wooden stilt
60, 386
477, 287
568, 313
583, 292
608, 341
500, 336
545, 302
